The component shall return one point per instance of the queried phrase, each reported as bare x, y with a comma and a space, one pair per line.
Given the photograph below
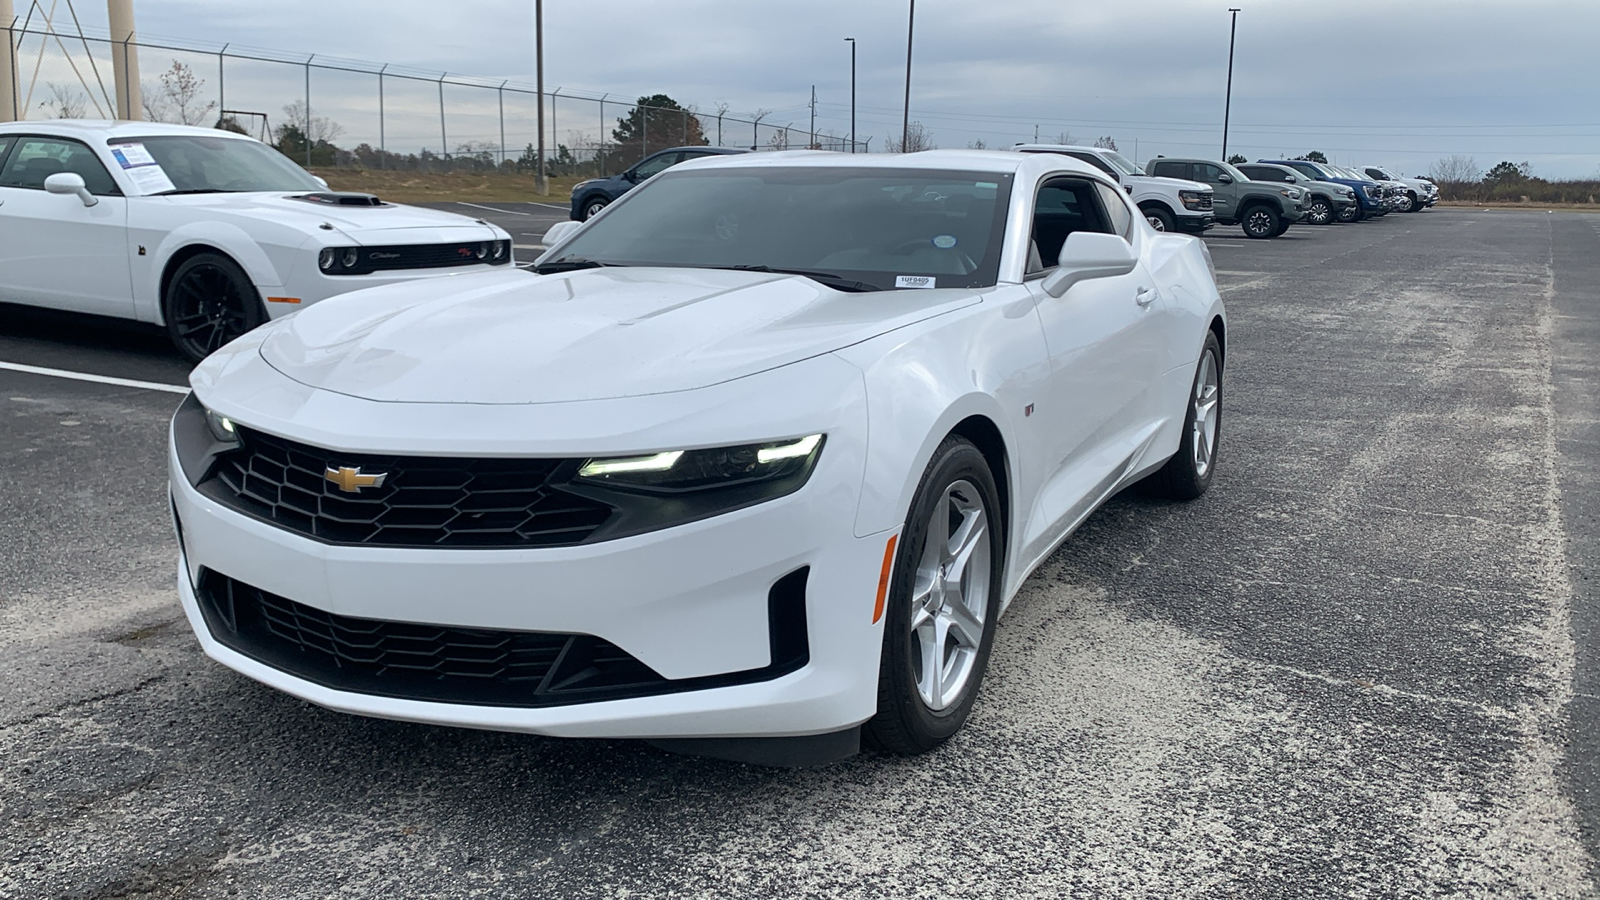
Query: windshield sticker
142, 168
945, 241
914, 281
987, 184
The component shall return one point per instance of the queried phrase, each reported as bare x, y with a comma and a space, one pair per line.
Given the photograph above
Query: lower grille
476, 666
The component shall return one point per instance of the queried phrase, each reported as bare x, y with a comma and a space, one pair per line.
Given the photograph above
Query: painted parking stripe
513, 212
97, 379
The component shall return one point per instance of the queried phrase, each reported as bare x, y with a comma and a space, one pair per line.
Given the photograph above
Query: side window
1064, 205
1208, 173
1264, 174
5, 144
1095, 161
1309, 172
657, 164
1116, 209
37, 158
1163, 169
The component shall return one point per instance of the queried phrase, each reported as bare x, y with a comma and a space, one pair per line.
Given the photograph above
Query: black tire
591, 207
1260, 221
209, 302
1283, 227
1320, 212
1182, 478
1159, 219
905, 722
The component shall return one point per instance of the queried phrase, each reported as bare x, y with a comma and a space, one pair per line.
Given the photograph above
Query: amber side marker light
283, 299
883, 578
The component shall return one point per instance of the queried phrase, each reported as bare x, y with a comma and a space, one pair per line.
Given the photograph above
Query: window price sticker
142, 168
914, 281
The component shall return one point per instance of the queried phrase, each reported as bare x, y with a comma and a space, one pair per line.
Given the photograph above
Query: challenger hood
514, 337
364, 225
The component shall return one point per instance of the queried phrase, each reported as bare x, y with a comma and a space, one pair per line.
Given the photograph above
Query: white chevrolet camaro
750, 469
205, 232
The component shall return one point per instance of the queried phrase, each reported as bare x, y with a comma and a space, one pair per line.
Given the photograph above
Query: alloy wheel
210, 310
1206, 388
1319, 213
950, 597
1156, 223
1259, 222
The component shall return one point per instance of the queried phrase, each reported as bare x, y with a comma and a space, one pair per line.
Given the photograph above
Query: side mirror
70, 183
1087, 255
560, 232
1224, 178
320, 180
631, 176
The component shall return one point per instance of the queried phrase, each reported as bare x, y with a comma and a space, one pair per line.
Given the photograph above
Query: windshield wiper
837, 282
569, 264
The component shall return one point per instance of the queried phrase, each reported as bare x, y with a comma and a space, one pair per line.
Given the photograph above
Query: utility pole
9, 102
813, 144
540, 183
124, 59
905, 122
852, 94
1227, 107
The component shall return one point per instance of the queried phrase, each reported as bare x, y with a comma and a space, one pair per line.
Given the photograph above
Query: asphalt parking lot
1367, 664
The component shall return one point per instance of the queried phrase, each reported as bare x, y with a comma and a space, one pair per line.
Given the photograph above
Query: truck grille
421, 502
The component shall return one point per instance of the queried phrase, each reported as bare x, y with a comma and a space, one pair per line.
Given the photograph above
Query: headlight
325, 259
221, 427
199, 436
695, 470
500, 249
1193, 199
674, 487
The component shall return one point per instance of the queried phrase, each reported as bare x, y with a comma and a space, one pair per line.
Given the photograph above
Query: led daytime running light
802, 447
660, 462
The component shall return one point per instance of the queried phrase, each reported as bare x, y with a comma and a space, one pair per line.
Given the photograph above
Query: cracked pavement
1367, 664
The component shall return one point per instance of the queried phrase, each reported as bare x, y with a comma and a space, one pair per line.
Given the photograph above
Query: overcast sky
1396, 83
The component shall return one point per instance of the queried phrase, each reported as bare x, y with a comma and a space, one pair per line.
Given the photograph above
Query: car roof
88, 129
996, 161
1058, 147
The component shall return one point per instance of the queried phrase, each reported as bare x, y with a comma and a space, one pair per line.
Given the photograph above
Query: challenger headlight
676, 471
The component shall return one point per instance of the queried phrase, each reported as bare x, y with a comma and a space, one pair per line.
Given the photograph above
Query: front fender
227, 239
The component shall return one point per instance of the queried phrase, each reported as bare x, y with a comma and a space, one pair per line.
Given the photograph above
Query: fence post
555, 134
684, 127
222, 82
8, 70
444, 139
600, 145
502, 90
719, 129
382, 144
644, 131
308, 109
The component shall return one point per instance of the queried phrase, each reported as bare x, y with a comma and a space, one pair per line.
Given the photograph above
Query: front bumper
1192, 223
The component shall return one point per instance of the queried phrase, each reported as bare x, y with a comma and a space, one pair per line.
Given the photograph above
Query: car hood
1182, 184
362, 224
515, 337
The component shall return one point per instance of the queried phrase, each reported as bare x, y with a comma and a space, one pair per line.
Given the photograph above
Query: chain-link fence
326, 111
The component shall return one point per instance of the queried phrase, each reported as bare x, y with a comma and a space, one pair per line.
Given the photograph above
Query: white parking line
97, 379
513, 212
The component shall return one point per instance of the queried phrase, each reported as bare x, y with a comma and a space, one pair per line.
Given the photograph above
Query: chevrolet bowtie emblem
351, 481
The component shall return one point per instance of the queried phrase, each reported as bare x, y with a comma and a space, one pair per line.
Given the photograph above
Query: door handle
1145, 296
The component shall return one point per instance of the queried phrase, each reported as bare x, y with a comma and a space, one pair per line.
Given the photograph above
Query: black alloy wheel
1261, 222
209, 302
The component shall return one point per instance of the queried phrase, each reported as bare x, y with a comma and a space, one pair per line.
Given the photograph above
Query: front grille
422, 256
422, 501
1205, 201
477, 666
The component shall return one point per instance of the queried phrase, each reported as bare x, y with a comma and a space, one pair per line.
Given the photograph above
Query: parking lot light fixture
905, 122
852, 94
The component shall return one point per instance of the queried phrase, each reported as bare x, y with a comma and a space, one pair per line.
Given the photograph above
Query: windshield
1234, 171
852, 228
204, 164
1121, 163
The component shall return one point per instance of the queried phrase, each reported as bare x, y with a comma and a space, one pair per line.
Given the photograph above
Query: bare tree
977, 145
779, 139
917, 138
1066, 137
1106, 143
65, 102
1455, 170
322, 128
176, 97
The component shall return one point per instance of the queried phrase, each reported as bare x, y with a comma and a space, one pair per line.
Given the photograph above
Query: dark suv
589, 197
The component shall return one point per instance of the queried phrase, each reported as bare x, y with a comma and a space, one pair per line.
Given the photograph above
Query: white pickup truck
1416, 194
1170, 204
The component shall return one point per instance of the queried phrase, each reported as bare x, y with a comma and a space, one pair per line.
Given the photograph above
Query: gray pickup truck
1262, 209
1328, 202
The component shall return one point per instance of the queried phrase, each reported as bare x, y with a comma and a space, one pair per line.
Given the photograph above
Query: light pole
852, 94
1227, 106
905, 122
540, 183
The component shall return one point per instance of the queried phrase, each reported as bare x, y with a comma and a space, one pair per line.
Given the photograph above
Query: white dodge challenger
749, 469
205, 232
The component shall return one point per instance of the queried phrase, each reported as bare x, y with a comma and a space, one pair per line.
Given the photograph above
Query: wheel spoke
968, 535
931, 685
963, 624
